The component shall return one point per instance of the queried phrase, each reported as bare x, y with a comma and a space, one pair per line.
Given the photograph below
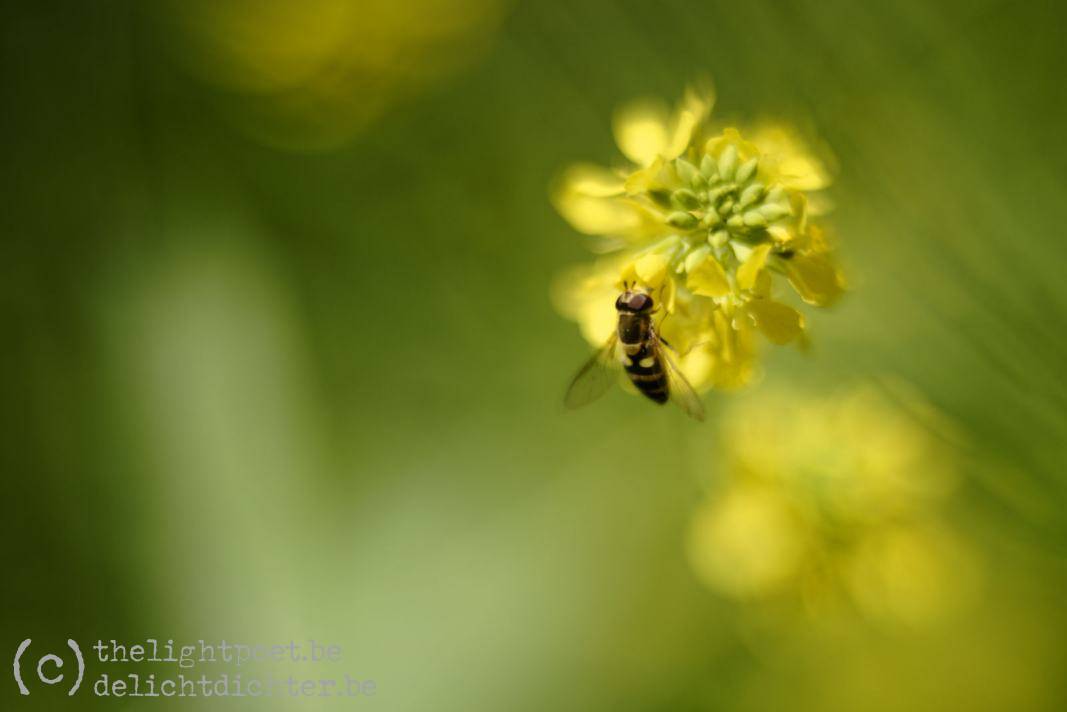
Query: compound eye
640, 302
621, 303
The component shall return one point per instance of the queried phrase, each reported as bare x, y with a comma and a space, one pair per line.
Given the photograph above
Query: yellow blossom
311, 74
708, 221
833, 499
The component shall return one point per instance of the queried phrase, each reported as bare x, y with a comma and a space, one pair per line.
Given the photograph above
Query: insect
636, 346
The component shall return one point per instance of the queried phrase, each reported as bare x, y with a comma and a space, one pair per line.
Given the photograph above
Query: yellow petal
816, 278
817, 240
731, 137
734, 362
778, 322
646, 179
683, 132
780, 234
651, 269
794, 164
597, 216
798, 202
708, 279
691, 113
763, 284
641, 130
585, 197
726, 333
668, 295
586, 294
747, 272
819, 204
591, 180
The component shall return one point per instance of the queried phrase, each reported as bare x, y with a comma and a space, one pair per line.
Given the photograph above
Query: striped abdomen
642, 363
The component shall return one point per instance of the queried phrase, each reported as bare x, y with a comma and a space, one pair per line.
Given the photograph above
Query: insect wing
595, 378
682, 394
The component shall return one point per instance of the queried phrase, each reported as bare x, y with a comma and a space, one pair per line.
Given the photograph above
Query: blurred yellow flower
703, 220
312, 73
839, 498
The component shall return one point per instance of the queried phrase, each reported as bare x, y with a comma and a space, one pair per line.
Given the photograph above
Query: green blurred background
279, 360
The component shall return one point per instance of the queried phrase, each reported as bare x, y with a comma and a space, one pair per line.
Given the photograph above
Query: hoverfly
636, 346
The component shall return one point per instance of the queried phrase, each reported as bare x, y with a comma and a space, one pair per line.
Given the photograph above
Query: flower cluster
835, 499
704, 221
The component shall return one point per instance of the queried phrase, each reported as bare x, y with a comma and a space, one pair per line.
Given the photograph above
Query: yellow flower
311, 74
833, 499
720, 217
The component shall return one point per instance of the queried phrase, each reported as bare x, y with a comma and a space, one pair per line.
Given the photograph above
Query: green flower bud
728, 162
708, 167
687, 172
747, 170
754, 218
776, 195
773, 211
684, 220
685, 199
715, 193
719, 238
750, 194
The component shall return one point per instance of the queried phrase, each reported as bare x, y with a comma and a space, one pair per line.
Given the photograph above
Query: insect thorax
634, 329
